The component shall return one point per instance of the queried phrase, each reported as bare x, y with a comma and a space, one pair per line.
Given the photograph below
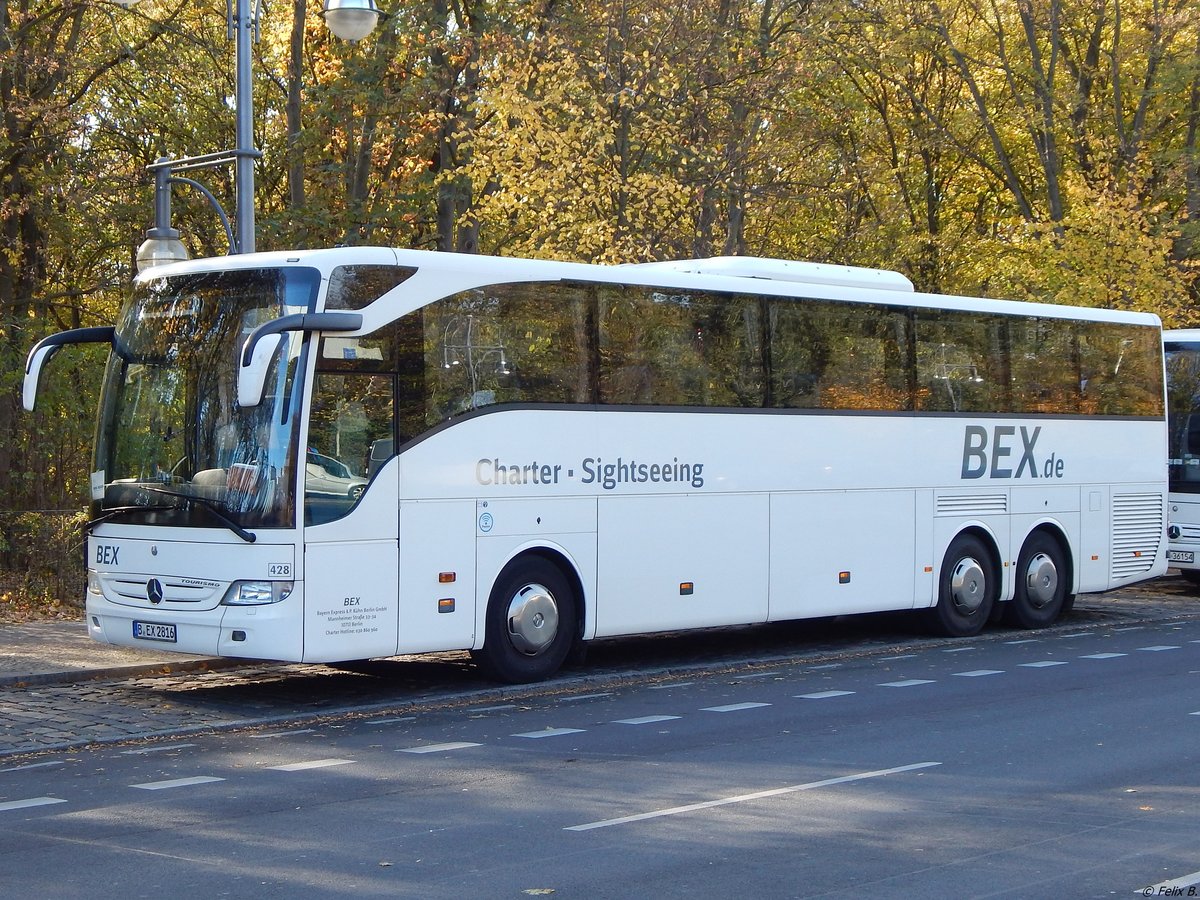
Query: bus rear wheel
1043, 582
530, 622
967, 589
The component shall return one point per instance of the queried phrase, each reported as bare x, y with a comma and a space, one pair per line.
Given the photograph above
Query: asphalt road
1061, 763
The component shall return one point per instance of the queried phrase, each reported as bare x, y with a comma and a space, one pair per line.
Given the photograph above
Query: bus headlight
256, 593
93, 583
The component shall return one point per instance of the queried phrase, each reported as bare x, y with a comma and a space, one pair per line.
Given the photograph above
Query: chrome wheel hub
532, 619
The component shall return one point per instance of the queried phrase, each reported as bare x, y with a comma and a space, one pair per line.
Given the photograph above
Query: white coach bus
1183, 453
360, 452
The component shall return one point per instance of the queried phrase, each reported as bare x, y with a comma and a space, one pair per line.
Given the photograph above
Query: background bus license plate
151, 631
1187, 556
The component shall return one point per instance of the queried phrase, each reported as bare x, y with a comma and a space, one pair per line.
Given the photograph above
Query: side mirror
47, 347
267, 339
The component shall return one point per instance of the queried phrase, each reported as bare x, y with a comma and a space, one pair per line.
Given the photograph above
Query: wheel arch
992, 544
557, 556
1058, 534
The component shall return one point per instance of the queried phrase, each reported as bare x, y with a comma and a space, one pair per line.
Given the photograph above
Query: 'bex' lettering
977, 461
106, 554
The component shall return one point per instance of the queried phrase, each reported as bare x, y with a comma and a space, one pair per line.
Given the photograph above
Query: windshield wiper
212, 509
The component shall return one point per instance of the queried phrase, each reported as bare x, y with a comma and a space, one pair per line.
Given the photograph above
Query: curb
137, 670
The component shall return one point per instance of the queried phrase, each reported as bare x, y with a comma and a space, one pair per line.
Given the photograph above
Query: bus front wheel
967, 589
1043, 583
530, 622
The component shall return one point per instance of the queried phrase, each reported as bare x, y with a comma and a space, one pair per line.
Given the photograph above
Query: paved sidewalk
59, 652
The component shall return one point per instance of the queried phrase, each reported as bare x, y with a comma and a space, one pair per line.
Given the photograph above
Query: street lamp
350, 20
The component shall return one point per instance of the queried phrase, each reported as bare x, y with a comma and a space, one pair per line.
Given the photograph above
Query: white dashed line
644, 720
1103, 655
1076, 634
824, 695
146, 750
1159, 647
759, 675
733, 707
584, 697
959, 649
311, 764
41, 765
1043, 664
909, 682
666, 687
550, 732
439, 748
977, 672
176, 782
894, 658
760, 795
392, 721
826, 666
275, 734
1025, 641
31, 802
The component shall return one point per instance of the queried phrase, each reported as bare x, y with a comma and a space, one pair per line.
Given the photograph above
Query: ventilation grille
1137, 533
972, 504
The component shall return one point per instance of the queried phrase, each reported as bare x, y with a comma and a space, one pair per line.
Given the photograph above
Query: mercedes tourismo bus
360, 452
1183, 453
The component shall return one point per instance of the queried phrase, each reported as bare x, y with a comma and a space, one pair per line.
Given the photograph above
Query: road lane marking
742, 798
1025, 641
439, 748
644, 720
41, 765
823, 695
673, 684
146, 750
392, 721
1076, 634
959, 649
1042, 664
27, 804
759, 675
908, 682
1103, 655
1158, 647
275, 734
584, 697
733, 707
978, 672
176, 782
894, 658
311, 764
550, 732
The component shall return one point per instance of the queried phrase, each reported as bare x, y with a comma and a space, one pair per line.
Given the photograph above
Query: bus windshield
173, 446
1183, 408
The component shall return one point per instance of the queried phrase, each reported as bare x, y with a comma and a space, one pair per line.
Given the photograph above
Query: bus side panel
350, 600
437, 537
651, 548
841, 552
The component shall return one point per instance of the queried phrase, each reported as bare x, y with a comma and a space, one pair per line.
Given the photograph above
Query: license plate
1186, 556
152, 631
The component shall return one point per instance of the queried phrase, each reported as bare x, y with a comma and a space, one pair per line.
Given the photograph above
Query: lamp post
350, 20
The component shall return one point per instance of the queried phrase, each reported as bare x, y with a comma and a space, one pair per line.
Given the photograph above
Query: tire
1191, 576
967, 589
1043, 583
530, 623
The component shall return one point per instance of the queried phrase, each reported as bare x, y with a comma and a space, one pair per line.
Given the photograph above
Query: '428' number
279, 570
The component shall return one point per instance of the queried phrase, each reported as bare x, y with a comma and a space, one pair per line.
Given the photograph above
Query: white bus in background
1182, 349
561, 452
